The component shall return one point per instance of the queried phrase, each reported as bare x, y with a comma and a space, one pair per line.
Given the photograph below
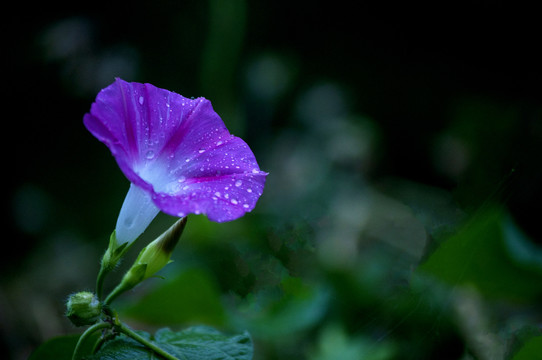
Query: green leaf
191, 296
61, 348
299, 307
195, 343
202, 342
481, 255
335, 343
525, 343
531, 350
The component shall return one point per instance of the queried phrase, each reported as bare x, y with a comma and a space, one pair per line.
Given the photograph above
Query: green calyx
114, 253
110, 260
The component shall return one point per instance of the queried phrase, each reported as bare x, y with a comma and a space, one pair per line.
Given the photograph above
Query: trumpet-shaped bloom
177, 153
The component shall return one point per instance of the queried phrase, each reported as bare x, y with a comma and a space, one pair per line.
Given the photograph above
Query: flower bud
156, 255
150, 260
83, 308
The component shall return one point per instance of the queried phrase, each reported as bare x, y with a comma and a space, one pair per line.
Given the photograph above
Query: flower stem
129, 332
86, 335
100, 281
119, 289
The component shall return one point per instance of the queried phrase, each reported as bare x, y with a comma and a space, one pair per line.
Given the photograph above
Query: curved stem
116, 292
100, 281
129, 332
86, 335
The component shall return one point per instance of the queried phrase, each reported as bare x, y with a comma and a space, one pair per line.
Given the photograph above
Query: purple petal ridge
178, 150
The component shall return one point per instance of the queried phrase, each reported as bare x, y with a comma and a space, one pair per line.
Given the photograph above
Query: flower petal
137, 212
178, 150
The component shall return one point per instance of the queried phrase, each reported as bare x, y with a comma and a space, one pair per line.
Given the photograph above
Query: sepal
114, 253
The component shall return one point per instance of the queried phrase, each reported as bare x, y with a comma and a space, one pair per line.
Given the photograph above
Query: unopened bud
83, 308
151, 259
157, 254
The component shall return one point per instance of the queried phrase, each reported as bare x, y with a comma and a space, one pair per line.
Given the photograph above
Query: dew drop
238, 183
234, 202
185, 187
187, 160
217, 193
201, 151
255, 171
246, 206
129, 222
219, 142
182, 179
141, 100
249, 190
149, 155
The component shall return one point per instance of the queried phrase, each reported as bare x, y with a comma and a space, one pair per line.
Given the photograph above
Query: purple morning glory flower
177, 154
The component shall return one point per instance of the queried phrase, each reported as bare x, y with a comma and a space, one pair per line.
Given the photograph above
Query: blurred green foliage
487, 254
400, 219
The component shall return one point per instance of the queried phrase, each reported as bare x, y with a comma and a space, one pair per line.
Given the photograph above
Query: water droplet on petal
141, 100
149, 155
201, 151
182, 179
217, 194
129, 222
246, 206
234, 202
238, 183
249, 190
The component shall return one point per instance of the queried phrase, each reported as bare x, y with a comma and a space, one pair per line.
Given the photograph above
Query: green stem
116, 292
100, 281
86, 335
129, 332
